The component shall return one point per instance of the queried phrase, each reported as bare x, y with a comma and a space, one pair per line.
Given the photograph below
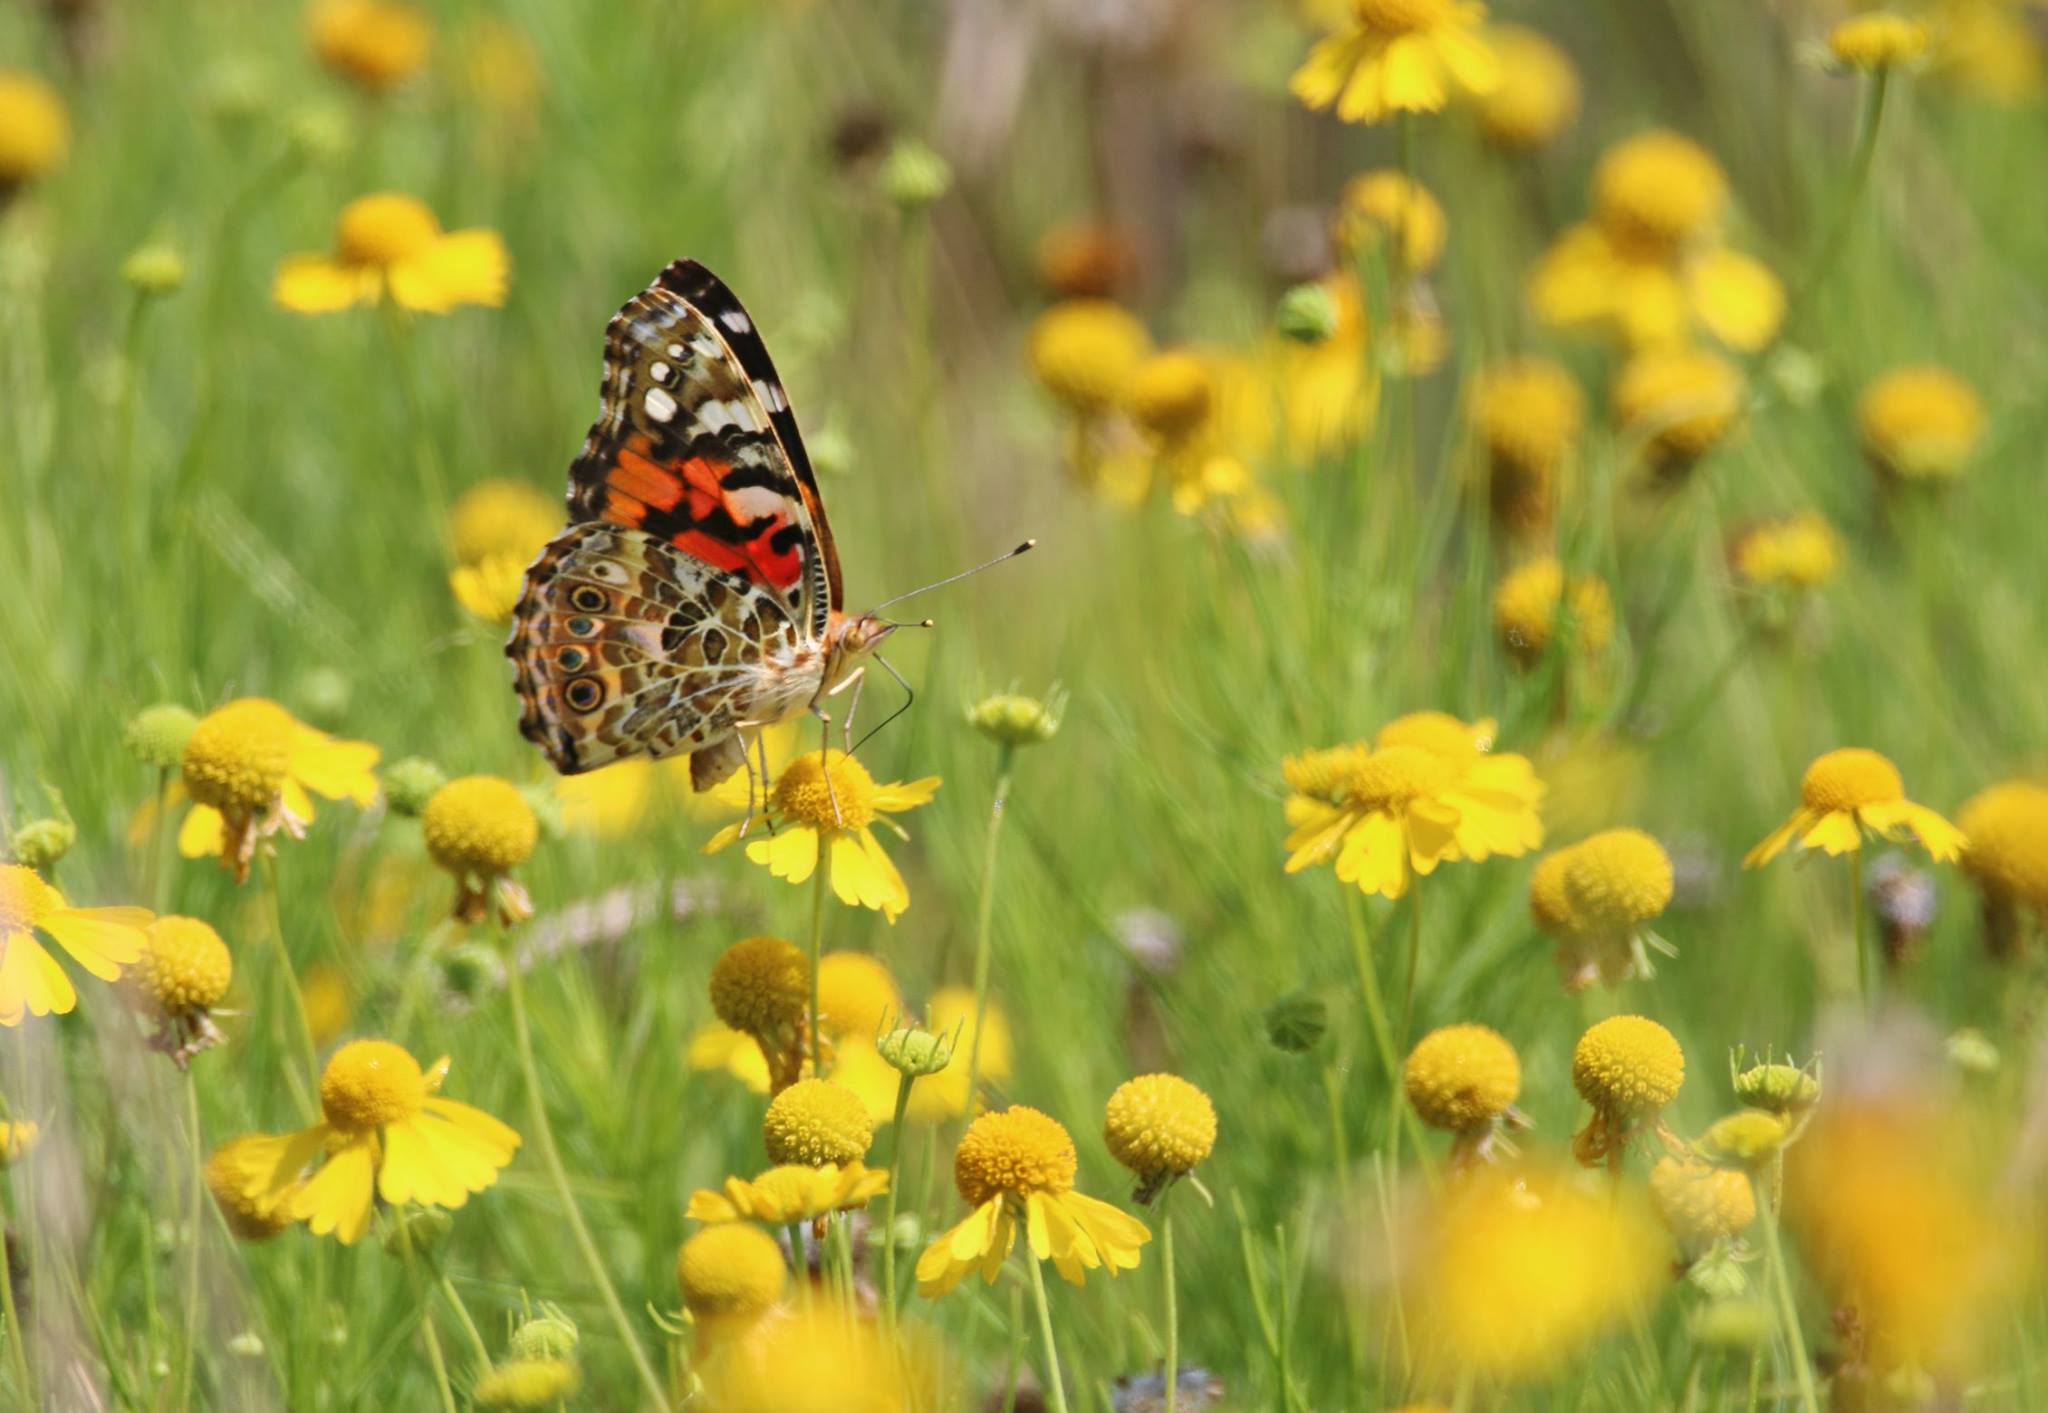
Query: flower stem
985, 918
17, 1336
1802, 1367
1015, 1360
544, 1137
190, 1356
903, 1084
821, 882
1172, 1306
1830, 248
1055, 1386
274, 922
433, 1340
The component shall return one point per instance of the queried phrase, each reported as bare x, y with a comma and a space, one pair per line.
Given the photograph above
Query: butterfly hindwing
695, 445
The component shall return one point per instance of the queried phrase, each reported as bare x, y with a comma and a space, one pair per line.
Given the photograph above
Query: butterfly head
850, 639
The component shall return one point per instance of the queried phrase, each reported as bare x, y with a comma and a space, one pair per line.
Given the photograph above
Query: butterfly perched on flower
695, 596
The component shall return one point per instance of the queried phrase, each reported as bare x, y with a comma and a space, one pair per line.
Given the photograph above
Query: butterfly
695, 596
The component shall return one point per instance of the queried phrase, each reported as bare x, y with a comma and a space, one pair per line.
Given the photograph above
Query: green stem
544, 1136
189, 1357
821, 880
274, 922
1830, 248
1802, 1367
985, 919
159, 849
1015, 1364
1055, 1386
17, 1337
895, 1181
800, 1263
1172, 1305
434, 1358
476, 1338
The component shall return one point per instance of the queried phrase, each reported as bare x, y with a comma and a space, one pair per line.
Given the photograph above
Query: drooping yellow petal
338, 1198
337, 769
1942, 840
1433, 833
31, 982
474, 1128
1328, 68
900, 796
266, 1166
791, 854
708, 1206
203, 834
1319, 830
461, 267
1115, 1233
1835, 831
1414, 77
1468, 58
1773, 844
947, 1260
319, 284
1375, 857
102, 940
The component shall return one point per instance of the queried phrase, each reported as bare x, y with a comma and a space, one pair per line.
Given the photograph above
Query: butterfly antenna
954, 578
909, 692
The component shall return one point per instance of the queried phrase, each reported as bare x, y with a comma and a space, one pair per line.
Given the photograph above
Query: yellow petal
461, 267
1375, 857
339, 770
791, 854
338, 1198
317, 284
1738, 298
1414, 76
102, 940
708, 1206
1773, 844
203, 834
31, 982
1835, 831
1942, 840
1116, 1234
1469, 59
1323, 74
899, 797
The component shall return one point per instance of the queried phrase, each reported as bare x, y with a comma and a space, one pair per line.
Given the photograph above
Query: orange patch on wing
719, 554
635, 475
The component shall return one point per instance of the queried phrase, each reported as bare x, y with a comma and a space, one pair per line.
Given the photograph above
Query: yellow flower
943, 1096
249, 766
1538, 94
1877, 41
181, 975
1648, 296
794, 1192
823, 805
1398, 56
250, 1218
1530, 416
1595, 898
1746, 1137
1205, 421
1989, 49
1799, 552
856, 996
35, 133
1160, 1127
1015, 1165
761, 987
608, 803
1920, 423
1462, 1078
1385, 208
1525, 606
1843, 794
479, 828
498, 516
374, 43
2007, 855
1680, 402
17, 1137
1517, 1273
102, 940
1627, 1068
816, 1122
1458, 741
389, 245
731, 1274
385, 1132
1658, 190
1326, 390
490, 588
1701, 1204
528, 1383
1084, 351
820, 1358
500, 70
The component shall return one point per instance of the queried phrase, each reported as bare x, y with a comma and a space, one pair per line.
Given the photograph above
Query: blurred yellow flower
943, 1096
794, 1192
820, 1358
1206, 420
823, 807
608, 803
1988, 48
1799, 552
385, 1132
500, 70
16, 1138
35, 133
480, 828
376, 44
1846, 793
249, 1218
1084, 351
528, 1382
1920, 423
490, 588
1658, 190
1627, 1068
501, 517
1878, 40
1596, 898
1398, 56
730, 1275
330, 1002
2007, 855
1530, 416
1537, 96
389, 245
1383, 209
249, 768
1679, 402
1701, 1204
1014, 1165
102, 940
1525, 610
1326, 390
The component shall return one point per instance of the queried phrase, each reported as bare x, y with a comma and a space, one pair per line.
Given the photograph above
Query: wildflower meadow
1109, 706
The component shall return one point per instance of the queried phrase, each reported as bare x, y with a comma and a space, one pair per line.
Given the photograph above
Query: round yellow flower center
1437, 732
184, 966
1461, 1077
24, 899
1159, 1124
1171, 394
730, 1269
1849, 779
371, 1083
1401, 16
1385, 206
761, 985
384, 229
373, 42
2007, 826
156, 735
1550, 902
1802, 552
246, 1217
34, 132
237, 756
827, 790
1628, 1066
815, 1122
1085, 351
1618, 879
1877, 41
498, 516
1921, 423
1530, 413
1016, 1151
1658, 189
1682, 400
1701, 1204
856, 995
1323, 774
1396, 776
1538, 93
479, 825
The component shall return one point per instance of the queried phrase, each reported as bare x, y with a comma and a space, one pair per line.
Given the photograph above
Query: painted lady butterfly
695, 596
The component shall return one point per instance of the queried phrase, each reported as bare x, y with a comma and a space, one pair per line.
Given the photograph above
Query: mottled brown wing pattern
625, 645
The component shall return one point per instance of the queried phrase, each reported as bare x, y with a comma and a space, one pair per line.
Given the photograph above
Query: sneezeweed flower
1018, 1165
1921, 424
1537, 97
821, 1358
257, 1217
1798, 553
1526, 607
1160, 1127
1701, 1205
252, 770
102, 940
1627, 1068
823, 807
761, 987
156, 735
816, 1122
1679, 403
1850, 792
793, 1192
390, 246
1325, 389
1517, 1272
1530, 416
1989, 50
479, 828
1398, 56
1878, 40
385, 1132
1011, 719
374, 44
1084, 351
498, 516
1383, 210
35, 131
182, 973
17, 1136
1597, 898
730, 1274
1203, 420
490, 587
1747, 1137
2007, 856
1464, 1079
528, 1383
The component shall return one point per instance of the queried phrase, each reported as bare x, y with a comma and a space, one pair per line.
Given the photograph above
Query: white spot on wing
736, 320
675, 350
771, 395
660, 406
660, 371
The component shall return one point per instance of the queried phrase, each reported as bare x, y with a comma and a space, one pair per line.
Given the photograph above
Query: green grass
208, 497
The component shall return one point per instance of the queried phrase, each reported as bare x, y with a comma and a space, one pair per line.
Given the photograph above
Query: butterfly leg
856, 681
747, 764
824, 750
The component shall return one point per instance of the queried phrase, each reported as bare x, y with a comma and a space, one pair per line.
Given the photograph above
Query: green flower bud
913, 175
548, 1335
1010, 719
1780, 1089
471, 969
156, 735
410, 783
155, 268
1307, 314
916, 1052
246, 1345
1718, 1276
320, 132
1295, 1024
1969, 1050
423, 1227
1747, 1137
41, 842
